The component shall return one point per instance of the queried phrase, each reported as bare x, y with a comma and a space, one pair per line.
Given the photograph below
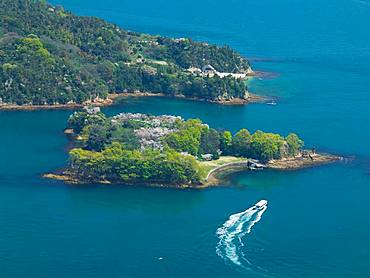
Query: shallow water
317, 222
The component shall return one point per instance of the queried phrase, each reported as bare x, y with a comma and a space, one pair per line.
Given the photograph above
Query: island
51, 58
166, 150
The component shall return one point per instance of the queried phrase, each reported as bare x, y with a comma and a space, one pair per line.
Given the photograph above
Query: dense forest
50, 56
136, 148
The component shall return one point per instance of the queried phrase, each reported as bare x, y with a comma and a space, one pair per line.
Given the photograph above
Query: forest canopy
51, 56
134, 148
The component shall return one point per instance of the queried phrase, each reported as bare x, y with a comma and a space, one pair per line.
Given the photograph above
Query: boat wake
231, 235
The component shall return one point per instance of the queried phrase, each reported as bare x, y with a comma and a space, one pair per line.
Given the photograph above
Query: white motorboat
261, 204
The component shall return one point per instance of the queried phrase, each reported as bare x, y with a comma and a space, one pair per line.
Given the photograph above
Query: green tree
183, 141
226, 141
33, 46
98, 137
267, 146
126, 137
77, 121
209, 142
295, 144
241, 143
187, 138
117, 164
88, 165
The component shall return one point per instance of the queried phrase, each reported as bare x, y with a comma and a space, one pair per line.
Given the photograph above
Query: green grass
210, 165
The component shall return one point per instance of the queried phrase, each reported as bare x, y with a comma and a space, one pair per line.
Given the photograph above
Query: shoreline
301, 162
114, 98
110, 100
253, 98
69, 179
214, 177
218, 175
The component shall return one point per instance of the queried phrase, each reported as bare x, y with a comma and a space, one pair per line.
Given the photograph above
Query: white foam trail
232, 232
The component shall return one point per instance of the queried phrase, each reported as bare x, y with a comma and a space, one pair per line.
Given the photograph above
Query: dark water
317, 222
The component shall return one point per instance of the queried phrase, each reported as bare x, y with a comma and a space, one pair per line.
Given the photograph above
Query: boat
261, 204
271, 103
255, 165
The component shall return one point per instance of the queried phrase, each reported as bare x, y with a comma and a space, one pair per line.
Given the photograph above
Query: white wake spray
231, 233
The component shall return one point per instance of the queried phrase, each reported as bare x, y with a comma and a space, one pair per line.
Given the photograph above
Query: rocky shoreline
234, 101
70, 179
301, 161
30, 107
216, 176
113, 98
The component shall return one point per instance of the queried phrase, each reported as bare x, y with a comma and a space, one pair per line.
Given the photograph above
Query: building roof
208, 68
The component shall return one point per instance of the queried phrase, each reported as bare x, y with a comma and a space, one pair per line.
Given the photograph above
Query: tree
126, 137
77, 121
117, 164
266, 146
226, 141
209, 142
187, 138
295, 144
98, 137
88, 164
241, 143
184, 141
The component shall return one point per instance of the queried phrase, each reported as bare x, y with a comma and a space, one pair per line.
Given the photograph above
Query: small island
169, 151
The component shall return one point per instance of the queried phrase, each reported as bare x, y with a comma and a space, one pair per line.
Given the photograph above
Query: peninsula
167, 150
51, 58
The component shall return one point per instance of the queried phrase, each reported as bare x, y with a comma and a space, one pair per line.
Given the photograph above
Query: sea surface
317, 221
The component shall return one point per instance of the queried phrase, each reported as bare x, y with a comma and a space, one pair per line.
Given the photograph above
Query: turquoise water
317, 221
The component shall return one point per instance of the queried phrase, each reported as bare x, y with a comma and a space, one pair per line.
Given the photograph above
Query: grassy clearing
210, 165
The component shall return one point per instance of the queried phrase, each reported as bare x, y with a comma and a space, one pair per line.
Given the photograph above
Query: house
207, 157
209, 70
91, 110
194, 70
